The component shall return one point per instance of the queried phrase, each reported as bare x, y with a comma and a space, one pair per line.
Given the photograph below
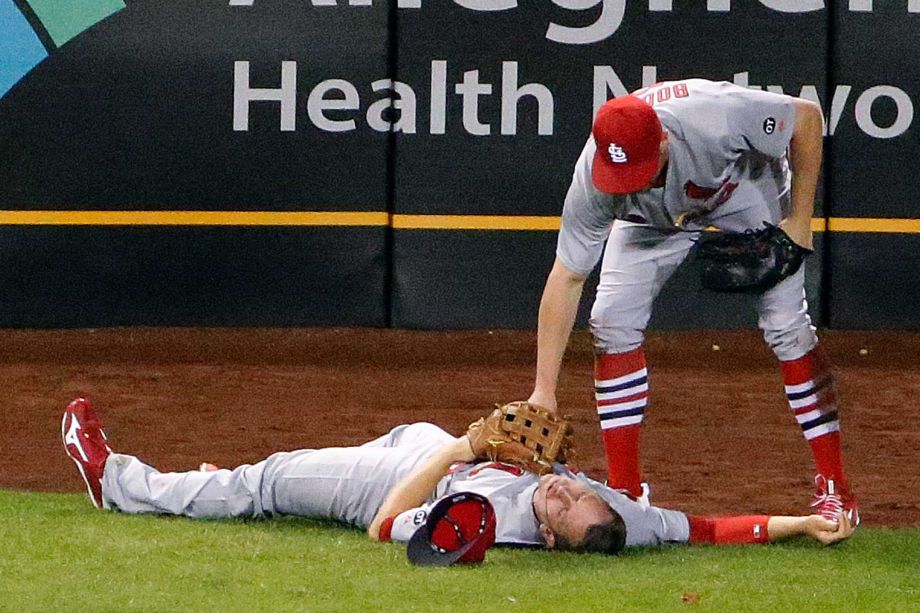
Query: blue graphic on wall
21, 46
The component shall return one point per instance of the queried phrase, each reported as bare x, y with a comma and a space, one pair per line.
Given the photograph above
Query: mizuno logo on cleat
73, 437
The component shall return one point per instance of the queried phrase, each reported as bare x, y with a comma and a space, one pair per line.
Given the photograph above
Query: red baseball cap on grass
459, 530
627, 132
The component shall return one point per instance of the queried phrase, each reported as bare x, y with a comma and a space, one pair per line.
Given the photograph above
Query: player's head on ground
632, 147
573, 517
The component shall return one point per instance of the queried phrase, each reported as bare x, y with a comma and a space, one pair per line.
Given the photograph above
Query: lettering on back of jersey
662, 92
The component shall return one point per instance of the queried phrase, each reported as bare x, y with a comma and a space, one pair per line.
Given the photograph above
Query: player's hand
545, 401
799, 230
826, 531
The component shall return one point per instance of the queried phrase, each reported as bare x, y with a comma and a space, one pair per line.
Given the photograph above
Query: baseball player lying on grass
388, 485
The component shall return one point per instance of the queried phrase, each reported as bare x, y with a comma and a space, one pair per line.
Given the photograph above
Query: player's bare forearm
558, 308
805, 154
415, 487
814, 526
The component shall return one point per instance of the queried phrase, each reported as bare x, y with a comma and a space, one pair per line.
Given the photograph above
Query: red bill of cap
627, 132
459, 530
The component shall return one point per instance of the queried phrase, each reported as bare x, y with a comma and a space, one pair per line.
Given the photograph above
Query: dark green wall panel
90, 277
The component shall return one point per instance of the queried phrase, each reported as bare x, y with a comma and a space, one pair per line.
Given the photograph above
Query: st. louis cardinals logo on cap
617, 155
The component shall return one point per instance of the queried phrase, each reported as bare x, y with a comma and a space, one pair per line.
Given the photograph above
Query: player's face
567, 508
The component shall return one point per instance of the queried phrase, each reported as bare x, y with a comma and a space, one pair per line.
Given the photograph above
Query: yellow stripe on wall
870, 224
378, 219
190, 218
475, 222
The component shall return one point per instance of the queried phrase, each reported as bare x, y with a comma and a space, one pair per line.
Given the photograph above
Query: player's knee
615, 339
791, 343
618, 328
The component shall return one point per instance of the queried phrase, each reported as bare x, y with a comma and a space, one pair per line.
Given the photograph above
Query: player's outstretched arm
814, 526
558, 308
415, 487
751, 529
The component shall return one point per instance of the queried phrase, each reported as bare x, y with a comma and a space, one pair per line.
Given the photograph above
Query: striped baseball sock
621, 393
812, 397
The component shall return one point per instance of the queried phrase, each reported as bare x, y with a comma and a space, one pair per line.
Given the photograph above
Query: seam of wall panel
828, 196
391, 153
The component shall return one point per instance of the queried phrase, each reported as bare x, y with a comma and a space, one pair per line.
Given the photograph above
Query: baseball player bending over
387, 485
661, 165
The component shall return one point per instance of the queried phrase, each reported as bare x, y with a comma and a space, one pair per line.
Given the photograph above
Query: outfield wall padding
873, 164
404, 110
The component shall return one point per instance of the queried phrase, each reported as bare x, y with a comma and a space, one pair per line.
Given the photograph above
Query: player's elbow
373, 531
565, 275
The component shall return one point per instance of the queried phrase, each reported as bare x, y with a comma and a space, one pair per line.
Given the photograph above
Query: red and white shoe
644, 499
830, 501
85, 444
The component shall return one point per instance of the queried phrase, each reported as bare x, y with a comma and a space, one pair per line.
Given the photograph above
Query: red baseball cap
627, 132
459, 530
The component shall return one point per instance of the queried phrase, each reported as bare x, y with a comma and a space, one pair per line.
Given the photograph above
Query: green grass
60, 554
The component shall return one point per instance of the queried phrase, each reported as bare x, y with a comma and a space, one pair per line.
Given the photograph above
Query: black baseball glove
751, 262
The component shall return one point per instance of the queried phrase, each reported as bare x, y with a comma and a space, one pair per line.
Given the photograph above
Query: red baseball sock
810, 388
740, 530
621, 393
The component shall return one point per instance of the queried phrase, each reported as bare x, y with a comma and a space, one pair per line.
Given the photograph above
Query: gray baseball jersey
726, 147
511, 491
349, 484
727, 168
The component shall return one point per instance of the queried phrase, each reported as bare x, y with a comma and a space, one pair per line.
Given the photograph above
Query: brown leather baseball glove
522, 434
